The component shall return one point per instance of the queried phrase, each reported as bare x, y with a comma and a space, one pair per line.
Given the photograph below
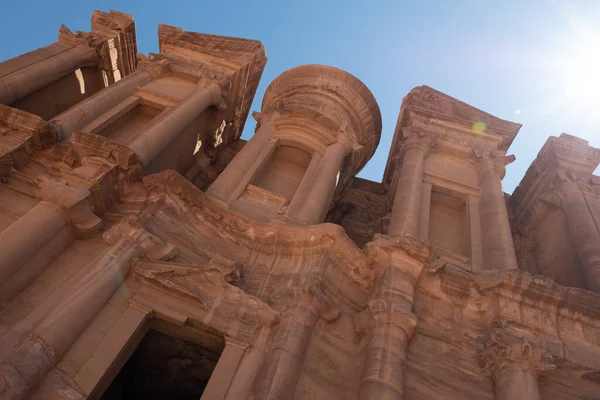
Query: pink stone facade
147, 251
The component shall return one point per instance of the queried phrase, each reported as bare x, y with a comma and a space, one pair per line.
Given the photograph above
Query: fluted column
281, 367
169, 124
81, 114
229, 180
515, 363
318, 196
33, 77
497, 244
406, 209
52, 338
391, 321
584, 233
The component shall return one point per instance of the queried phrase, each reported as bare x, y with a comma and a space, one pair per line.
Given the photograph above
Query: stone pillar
52, 338
318, 196
83, 113
498, 249
33, 77
391, 323
405, 218
511, 382
584, 233
281, 367
233, 176
164, 128
224, 371
31, 232
59, 207
514, 363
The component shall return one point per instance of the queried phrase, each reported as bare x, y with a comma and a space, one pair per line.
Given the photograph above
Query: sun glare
569, 73
583, 74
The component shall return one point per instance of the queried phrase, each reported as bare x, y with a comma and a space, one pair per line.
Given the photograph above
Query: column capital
67, 37
417, 140
74, 202
218, 96
157, 67
384, 311
570, 181
347, 139
311, 296
130, 231
264, 117
505, 351
488, 158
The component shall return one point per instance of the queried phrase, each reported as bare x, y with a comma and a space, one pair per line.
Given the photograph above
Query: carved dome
323, 100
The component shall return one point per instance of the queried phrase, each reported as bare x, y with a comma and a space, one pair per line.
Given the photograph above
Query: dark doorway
164, 367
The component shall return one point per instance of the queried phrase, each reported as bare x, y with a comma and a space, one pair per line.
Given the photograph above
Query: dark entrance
164, 367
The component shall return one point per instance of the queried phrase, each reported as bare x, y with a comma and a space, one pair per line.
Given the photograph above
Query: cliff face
147, 251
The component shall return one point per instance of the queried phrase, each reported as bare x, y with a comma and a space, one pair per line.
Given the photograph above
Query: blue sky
532, 62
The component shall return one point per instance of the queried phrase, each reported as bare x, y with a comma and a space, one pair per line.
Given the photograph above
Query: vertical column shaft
584, 233
78, 116
516, 383
281, 367
27, 80
392, 327
20, 241
320, 191
383, 376
498, 249
56, 333
233, 175
407, 198
167, 126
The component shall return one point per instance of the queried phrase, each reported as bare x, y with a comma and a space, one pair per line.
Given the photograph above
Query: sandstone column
514, 362
281, 367
59, 207
51, 339
497, 244
584, 233
233, 175
31, 232
27, 80
94, 106
318, 196
407, 197
391, 321
512, 382
164, 128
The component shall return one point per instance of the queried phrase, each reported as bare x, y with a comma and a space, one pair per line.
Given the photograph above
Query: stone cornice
190, 294
335, 97
21, 134
242, 60
504, 350
426, 108
178, 198
112, 38
561, 158
541, 293
513, 300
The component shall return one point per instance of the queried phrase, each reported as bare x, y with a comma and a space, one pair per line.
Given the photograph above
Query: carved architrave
504, 350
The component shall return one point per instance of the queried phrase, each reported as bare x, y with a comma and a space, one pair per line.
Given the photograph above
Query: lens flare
479, 127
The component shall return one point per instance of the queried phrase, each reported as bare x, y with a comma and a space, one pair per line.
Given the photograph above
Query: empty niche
127, 126
448, 221
283, 171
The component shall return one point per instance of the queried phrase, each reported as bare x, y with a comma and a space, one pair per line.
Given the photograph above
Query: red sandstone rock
145, 250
